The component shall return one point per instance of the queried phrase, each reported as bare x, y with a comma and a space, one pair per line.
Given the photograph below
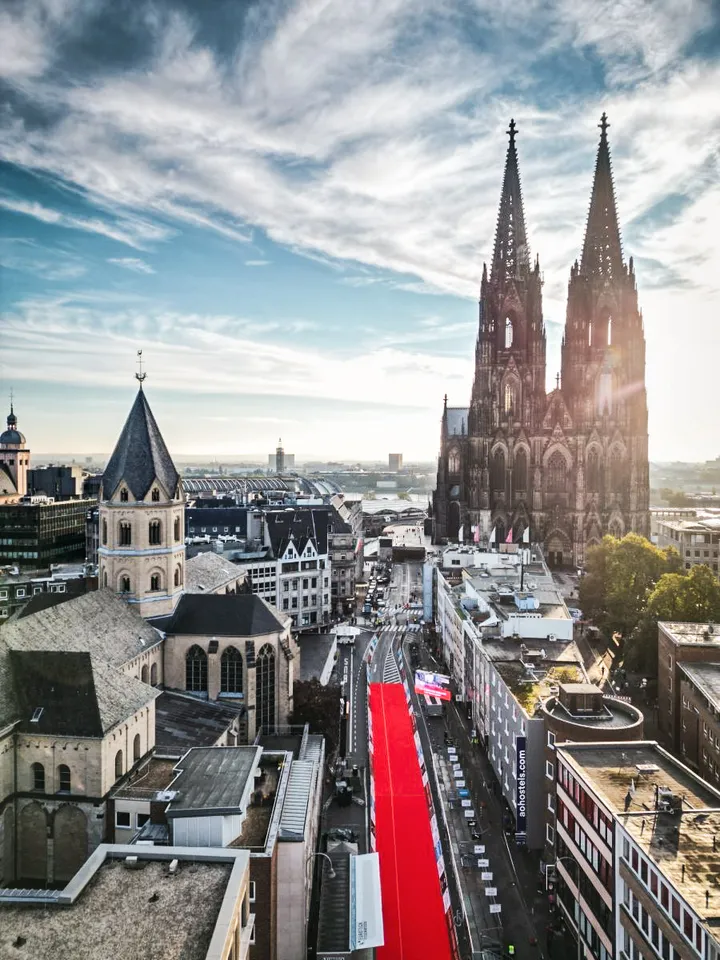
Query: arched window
178, 576
38, 777
136, 747
510, 402
592, 474
124, 495
508, 332
105, 578
609, 329
124, 533
231, 671
118, 764
64, 779
520, 471
153, 675
265, 687
556, 473
196, 670
454, 461
144, 673
176, 529
125, 584
154, 532
104, 532
497, 471
590, 333
155, 495
617, 472
154, 582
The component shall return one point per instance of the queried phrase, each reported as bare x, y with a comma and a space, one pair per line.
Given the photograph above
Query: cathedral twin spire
511, 257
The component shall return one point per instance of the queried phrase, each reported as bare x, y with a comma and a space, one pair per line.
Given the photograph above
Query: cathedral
571, 464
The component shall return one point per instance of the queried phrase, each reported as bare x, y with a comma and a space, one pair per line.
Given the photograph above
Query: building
37, 531
288, 462
572, 464
636, 853
159, 903
14, 461
696, 540
700, 719
58, 482
680, 644
49, 586
345, 545
659, 514
395, 462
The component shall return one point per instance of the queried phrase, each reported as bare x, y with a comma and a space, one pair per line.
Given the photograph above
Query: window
122, 819
124, 534
118, 764
251, 891
551, 803
510, 402
176, 529
141, 819
556, 470
196, 670
177, 578
592, 474
38, 777
154, 532
454, 461
549, 769
154, 582
231, 671
136, 747
144, 674
124, 584
508, 332
104, 531
497, 471
105, 578
550, 739
153, 675
549, 834
124, 495
155, 496
520, 470
265, 687
64, 779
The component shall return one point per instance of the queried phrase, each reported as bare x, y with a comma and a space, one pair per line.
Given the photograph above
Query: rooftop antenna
140, 375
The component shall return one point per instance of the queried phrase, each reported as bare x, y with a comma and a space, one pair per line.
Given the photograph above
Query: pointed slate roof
140, 455
511, 256
602, 250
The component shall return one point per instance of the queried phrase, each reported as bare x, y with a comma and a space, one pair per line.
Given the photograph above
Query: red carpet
413, 913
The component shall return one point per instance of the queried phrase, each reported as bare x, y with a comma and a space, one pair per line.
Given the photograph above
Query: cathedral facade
571, 464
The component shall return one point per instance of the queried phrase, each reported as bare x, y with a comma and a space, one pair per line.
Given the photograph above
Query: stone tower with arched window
573, 463
142, 518
14, 461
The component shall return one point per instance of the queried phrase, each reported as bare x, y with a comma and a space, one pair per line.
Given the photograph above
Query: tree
320, 707
619, 576
690, 598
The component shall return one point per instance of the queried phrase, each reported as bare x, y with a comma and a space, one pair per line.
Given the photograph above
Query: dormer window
155, 495
123, 495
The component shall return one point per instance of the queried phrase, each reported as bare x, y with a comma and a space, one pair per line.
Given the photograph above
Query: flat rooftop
670, 842
213, 779
260, 809
124, 915
686, 633
706, 677
157, 774
182, 722
528, 691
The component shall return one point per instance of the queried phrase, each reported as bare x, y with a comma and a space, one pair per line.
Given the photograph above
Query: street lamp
577, 882
331, 871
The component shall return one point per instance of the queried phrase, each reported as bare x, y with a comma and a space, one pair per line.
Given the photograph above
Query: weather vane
140, 375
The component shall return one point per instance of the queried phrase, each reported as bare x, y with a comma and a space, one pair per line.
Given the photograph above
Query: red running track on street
413, 912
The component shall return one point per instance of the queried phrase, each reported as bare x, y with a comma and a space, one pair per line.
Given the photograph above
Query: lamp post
577, 883
331, 871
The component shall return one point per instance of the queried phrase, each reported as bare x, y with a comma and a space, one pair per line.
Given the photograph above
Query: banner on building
366, 920
427, 683
521, 789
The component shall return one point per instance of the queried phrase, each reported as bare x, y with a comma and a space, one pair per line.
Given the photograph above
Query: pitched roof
98, 623
207, 572
511, 256
300, 525
140, 456
602, 250
7, 483
223, 615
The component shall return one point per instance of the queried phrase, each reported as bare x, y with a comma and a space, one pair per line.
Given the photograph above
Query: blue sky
287, 206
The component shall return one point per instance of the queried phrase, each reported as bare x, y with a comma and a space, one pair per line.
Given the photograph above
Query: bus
433, 705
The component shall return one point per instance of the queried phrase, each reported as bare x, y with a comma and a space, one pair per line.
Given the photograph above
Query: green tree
619, 576
690, 598
320, 707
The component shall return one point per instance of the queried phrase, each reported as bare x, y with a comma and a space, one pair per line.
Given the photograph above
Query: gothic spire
602, 250
511, 256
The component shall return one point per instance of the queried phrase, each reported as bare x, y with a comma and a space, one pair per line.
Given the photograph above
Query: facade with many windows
697, 540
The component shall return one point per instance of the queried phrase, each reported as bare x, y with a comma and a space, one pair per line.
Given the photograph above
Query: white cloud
131, 263
257, 263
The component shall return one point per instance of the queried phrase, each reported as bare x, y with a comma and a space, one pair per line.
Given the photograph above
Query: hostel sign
521, 794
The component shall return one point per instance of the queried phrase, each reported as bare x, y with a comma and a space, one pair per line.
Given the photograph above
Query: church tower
14, 461
142, 517
603, 376
508, 394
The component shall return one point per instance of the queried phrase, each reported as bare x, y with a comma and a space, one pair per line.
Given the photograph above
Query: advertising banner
521, 789
432, 690
366, 920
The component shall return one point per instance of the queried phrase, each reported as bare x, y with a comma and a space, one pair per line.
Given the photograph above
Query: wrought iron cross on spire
603, 123
140, 375
512, 131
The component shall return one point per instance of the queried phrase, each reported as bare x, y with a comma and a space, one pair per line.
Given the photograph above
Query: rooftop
681, 846
686, 633
223, 615
144, 783
531, 687
697, 525
706, 677
259, 814
214, 780
208, 572
314, 652
124, 914
182, 722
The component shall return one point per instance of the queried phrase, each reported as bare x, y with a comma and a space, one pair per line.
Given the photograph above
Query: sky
286, 204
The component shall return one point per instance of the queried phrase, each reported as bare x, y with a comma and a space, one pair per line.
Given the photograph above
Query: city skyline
287, 207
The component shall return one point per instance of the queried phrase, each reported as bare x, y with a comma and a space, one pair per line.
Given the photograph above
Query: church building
571, 464
14, 461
